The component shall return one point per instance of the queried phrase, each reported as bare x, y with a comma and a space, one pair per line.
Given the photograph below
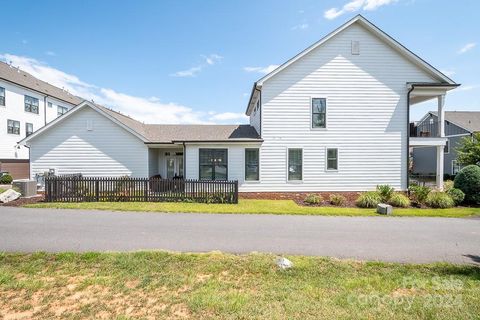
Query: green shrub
369, 199
468, 180
385, 191
447, 185
437, 199
6, 179
418, 194
313, 199
457, 195
399, 200
337, 199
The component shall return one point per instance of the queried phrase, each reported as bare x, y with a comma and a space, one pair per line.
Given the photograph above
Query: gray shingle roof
469, 120
168, 133
22, 78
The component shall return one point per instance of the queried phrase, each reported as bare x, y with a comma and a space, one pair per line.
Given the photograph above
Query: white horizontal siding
255, 118
107, 150
366, 116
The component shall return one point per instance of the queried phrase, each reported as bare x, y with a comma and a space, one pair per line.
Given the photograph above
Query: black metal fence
125, 189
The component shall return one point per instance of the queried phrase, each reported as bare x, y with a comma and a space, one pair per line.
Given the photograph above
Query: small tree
468, 152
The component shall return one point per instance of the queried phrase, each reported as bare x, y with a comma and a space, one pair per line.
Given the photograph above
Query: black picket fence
125, 189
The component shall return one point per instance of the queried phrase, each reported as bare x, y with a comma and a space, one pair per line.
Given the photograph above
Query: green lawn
159, 285
254, 206
2, 190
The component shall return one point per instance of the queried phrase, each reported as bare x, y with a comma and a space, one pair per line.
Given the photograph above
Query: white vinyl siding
108, 150
366, 116
255, 116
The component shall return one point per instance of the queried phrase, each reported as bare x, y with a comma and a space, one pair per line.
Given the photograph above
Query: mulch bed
23, 201
298, 197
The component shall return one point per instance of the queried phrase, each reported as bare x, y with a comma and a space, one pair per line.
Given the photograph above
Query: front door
174, 167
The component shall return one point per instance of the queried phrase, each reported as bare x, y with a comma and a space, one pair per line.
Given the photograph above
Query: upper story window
50, 105
31, 104
13, 126
332, 159
61, 110
319, 112
28, 128
2, 96
446, 149
213, 164
252, 164
295, 164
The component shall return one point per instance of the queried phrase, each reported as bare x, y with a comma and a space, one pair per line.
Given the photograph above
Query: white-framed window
319, 113
456, 167
28, 128
31, 104
446, 149
13, 126
2, 96
332, 159
295, 164
50, 105
213, 164
252, 164
61, 110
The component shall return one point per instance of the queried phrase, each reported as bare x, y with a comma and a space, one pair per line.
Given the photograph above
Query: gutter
408, 132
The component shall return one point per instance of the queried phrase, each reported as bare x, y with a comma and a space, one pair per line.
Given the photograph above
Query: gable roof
468, 120
442, 78
24, 79
163, 133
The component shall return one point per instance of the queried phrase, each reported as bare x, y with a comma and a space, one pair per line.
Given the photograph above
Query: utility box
28, 188
383, 208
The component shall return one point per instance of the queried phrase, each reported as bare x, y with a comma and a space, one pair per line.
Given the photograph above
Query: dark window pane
294, 164
332, 159
251, 164
318, 120
213, 164
319, 111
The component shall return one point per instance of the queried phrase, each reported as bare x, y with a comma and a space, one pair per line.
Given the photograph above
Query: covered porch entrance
166, 161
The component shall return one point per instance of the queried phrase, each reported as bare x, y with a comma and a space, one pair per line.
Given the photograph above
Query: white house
26, 105
333, 118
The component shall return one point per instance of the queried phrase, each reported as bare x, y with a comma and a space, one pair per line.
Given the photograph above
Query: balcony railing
424, 129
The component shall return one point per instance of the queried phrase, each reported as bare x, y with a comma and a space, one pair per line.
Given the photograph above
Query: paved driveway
366, 238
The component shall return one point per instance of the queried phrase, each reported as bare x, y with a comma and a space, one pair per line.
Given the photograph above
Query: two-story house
458, 125
26, 105
333, 118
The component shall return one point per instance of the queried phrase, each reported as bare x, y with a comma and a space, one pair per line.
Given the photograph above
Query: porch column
440, 160
441, 133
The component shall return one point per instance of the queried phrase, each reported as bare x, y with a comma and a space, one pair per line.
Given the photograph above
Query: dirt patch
24, 201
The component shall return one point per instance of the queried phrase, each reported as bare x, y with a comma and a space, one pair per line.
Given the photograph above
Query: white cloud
228, 116
467, 47
50, 53
301, 26
263, 70
210, 60
356, 5
147, 109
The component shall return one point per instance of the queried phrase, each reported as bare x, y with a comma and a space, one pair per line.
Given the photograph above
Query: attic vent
355, 47
89, 125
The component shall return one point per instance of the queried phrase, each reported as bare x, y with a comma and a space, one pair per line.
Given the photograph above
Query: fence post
145, 190
97, 191
235, 196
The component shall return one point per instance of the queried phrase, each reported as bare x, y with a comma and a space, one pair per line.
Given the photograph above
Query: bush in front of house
337, 200
6, 179
447, 185
418, 193
399, 200
313, 199
457, 195
468, 180
442, 200
368, 199
385, 191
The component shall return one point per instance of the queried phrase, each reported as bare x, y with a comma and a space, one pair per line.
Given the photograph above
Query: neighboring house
26, 105
458, 124
333, 118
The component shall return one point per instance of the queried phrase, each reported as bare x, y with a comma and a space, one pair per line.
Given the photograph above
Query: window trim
19, 125
63, 108
26, 129
4, 102
326, 159
213, 148
25, 104
245, 165
311, 112
288, 165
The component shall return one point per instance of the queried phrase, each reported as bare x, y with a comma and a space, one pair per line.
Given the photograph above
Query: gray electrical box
28, 188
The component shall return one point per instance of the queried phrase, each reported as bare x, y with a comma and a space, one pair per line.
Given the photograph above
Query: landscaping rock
9, 195
383, 208
284, 263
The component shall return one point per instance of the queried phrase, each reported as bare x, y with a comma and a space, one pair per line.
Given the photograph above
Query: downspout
261, 109
184, 161
45, 109
408, 133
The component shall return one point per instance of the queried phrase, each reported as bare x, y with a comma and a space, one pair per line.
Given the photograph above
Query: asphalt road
398, 239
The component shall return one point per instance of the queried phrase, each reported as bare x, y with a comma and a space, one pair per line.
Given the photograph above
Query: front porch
431, 134
166, 161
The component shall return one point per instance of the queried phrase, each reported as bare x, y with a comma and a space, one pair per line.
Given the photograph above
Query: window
2, 96
31, 104
13, 127
213, 164
446, 149
295, 164
50, 105
28, 128
61, 110
252, 164
319, 113
332, 159
456, 167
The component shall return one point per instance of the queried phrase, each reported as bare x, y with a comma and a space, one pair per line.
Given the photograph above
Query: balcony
424, 129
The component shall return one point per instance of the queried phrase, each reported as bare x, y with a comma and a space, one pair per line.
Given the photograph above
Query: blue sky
195, 61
